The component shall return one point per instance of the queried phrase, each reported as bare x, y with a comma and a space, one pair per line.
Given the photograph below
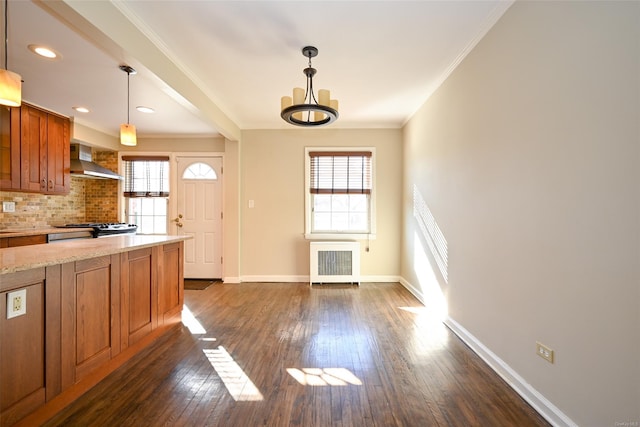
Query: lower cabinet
139, 294
22, 347
79, 317
170, 283
90, 315
152, 290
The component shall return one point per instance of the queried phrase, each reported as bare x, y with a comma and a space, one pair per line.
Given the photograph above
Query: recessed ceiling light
145, 109
81, 109
44, 51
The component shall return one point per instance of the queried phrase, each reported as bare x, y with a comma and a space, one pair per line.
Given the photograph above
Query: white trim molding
305, 279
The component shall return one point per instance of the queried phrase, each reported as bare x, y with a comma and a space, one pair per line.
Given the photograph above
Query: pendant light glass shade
10, 88
10, 82
128, 131
128, 135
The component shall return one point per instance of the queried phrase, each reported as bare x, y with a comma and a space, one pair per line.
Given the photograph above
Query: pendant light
304, 109
128, 131
10, 82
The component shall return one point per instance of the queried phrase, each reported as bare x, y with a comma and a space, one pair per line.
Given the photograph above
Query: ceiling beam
107, 26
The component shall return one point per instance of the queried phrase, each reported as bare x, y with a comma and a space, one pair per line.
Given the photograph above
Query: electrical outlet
16, 303
545, 352
8, 206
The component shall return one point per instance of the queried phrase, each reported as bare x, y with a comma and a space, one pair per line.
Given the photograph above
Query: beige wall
273, 246
528, 157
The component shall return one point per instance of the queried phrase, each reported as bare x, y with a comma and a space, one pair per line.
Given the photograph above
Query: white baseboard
540, 403
414, 291
283, 279
305, 279
231, 279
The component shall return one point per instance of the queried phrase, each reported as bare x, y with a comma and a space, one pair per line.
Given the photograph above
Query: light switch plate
8, 206
16, 303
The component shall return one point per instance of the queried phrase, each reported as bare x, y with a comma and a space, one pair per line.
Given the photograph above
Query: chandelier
304, 109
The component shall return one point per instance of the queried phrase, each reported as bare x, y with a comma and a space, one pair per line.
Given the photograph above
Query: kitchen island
72, 312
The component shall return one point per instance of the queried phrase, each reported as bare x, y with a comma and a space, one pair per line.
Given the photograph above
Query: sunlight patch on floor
324, 376
240, 387
428, 333
190, 321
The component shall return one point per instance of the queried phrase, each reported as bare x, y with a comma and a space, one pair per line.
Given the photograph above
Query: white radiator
335, 262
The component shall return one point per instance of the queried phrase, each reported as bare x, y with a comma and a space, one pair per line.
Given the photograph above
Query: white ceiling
210, 67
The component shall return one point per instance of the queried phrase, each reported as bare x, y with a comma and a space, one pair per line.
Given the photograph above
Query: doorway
199, 215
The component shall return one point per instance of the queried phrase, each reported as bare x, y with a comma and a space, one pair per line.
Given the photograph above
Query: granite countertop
38, 231
34, 256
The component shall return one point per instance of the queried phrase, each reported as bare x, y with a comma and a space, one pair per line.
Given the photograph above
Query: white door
199, 204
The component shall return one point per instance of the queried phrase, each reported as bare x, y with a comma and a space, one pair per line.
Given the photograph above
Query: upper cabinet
9, 148
35, 151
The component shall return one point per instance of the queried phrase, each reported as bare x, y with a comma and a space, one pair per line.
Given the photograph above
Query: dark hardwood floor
283, 354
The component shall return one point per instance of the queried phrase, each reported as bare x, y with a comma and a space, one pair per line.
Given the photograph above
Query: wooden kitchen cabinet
139, 295
83, 320
90, 316
22, 347
9, 148
44, 151
170, 283
152, 290
35, 150
58, 154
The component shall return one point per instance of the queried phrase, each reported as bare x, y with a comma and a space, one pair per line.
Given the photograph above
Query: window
200, 171
340, 192
146, 189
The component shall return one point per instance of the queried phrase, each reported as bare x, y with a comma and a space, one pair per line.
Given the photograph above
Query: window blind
146, 176
340, 172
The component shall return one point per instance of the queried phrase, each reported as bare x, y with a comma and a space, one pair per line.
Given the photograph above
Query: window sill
339, 236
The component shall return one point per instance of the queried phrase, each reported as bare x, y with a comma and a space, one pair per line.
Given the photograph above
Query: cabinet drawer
13, 242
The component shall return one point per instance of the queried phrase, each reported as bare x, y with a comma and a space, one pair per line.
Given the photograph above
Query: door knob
177, 220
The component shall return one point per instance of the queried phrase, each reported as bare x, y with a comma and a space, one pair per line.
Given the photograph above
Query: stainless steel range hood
82, 164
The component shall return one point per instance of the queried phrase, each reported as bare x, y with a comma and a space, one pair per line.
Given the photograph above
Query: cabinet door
90, 316
9, 148
170, 283
58, 150
22, 348
139, 295
33, 150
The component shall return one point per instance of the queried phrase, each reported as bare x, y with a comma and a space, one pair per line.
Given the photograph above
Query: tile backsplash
101, 195
88, 201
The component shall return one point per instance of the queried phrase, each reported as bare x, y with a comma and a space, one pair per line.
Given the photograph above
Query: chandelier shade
303, 108
128, 131
10, 82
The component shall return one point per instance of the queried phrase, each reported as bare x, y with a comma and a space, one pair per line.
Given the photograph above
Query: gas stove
101, 229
